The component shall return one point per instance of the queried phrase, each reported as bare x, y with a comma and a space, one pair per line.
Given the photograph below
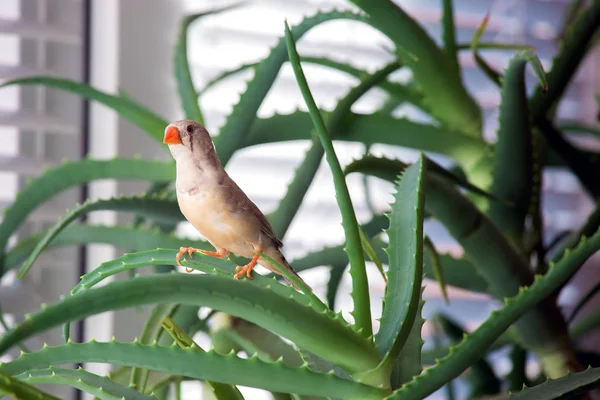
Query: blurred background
127, 45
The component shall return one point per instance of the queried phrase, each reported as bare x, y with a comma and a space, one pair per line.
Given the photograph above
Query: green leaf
127, 108
449, 36
405, 258
336, 274
360, 286
474, 345
136, 239
99, 386
221, 391
458, 272
513, 153
371, 253
150, 334
483, 380
203, 263
371, 129
490, 72
21, 390
503, 268
584, 325
495, 46
320, 333
399, 91
282, 217
566, 63
436, 266
445, 95
573, 384
154, 207
583, 164
71, 174
239, 123
517, 376
578, 127
409, 362
183, 77
386, 168
191, 363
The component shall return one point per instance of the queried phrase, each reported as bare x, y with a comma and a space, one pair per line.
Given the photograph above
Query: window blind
39, 128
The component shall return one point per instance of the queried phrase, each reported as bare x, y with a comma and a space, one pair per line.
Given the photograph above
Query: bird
216, 206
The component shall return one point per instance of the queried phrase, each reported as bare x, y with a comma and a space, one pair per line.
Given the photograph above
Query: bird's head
188, 139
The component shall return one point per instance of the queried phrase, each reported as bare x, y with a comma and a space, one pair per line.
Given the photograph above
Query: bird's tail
279, 257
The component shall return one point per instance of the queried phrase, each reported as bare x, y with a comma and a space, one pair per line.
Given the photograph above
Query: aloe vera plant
294, 344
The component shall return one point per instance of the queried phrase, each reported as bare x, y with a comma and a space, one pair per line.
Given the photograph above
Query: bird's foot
246, 269
182, 251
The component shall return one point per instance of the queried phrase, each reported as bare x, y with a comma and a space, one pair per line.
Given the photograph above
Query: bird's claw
241, 270
182, 251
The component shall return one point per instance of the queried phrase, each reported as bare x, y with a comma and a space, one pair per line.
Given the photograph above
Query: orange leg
246, 269
221, 253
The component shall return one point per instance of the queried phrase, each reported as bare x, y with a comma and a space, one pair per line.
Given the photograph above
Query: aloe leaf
21, 390
239, 123
4, 325
399, 91
250, 348
517, 376
99, 386
585, 324
203, 263
449, 36
572, 12
127, 108
385, 168
405, 258
136, 239
446, 97
320, 333
436, 264
483, 380
183, 77
513, 152
490, 72
156, 188
409, 362
360, 286
578, 127
371, 129
220, 391
503, 268
566, 63
152, 207
371, 253
282, 217
584, 300
572, 384
150, 334
583, 164
495, 46
474, 345
459, 272
71, 174
336, 274
191, 363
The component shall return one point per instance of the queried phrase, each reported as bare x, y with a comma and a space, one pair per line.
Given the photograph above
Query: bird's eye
189, 129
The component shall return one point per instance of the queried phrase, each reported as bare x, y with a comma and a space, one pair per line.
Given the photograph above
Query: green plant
496, 219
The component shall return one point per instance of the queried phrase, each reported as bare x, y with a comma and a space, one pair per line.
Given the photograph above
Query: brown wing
240, 203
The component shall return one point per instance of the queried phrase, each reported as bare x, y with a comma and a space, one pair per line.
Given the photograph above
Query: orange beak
172, 135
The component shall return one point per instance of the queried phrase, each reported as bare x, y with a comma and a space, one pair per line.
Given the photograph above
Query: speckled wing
241, 204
